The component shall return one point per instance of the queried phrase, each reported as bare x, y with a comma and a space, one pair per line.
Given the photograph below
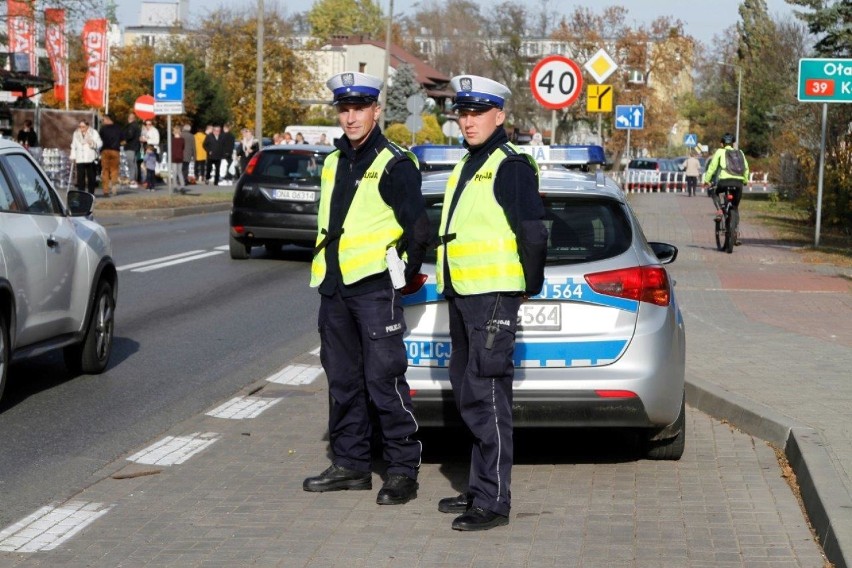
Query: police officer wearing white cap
370, 202
492, 206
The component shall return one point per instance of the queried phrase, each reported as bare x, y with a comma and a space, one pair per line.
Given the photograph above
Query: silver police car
602, 345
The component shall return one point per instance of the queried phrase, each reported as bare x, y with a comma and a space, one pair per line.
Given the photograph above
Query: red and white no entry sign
144, 107
556, 82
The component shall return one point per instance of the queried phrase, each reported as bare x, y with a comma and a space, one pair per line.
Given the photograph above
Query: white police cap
478, 93
353, 87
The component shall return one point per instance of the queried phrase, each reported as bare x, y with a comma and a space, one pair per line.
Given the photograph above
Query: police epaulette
508, 149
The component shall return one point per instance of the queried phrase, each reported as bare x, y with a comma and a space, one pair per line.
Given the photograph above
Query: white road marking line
177, 261
296, 375
173, 450
50, 526
243, 407
316, 352
223, 248
157, 260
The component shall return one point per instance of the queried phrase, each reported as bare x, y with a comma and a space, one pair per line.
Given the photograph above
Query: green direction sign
825, 80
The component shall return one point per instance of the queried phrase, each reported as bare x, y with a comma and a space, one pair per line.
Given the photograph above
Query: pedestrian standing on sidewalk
132, 149
110, 154
213, 147
176, 160
150, 162
85, 144
188, 152
201, 155
692, 169
370, 207
491, 206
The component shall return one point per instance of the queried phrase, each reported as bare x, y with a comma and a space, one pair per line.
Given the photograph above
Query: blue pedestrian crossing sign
168, 82
629, 117
690, 140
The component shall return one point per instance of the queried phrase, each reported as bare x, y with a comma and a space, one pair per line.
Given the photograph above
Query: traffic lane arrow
621, 119
637, 116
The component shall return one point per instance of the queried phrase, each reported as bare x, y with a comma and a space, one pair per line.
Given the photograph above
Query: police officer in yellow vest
491, 255
370, 202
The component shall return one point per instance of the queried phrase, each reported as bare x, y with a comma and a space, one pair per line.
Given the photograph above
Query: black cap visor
474, 103
354, 99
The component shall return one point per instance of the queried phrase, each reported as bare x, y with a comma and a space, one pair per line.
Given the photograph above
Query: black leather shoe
479, 519
458, 504
337, 478
398, 489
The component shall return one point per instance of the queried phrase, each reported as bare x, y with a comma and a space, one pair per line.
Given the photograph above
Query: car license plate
540, 316
293, 195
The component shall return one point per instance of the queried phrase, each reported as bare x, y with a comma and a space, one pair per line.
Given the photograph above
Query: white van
313, 134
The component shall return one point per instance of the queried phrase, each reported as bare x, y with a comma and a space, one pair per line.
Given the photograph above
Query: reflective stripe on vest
370, 226
483, 255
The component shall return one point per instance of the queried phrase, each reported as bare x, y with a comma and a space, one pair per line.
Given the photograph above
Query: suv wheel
238, 249
92, 354
5, 353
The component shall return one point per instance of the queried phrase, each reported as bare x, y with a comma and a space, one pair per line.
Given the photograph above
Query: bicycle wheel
729, 232
719, 230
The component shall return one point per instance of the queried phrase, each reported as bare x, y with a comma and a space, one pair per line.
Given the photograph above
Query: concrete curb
163, 213
826, 501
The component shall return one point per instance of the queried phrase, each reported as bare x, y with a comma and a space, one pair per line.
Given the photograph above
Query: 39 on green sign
819, 87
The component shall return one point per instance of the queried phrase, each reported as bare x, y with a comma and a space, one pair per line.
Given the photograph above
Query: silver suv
58, 281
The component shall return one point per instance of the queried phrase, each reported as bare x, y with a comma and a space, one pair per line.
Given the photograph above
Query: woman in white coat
85, 145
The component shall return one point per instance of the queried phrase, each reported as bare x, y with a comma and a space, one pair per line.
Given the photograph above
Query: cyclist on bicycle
729, 170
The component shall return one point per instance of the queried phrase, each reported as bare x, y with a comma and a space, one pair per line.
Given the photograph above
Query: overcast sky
703, 18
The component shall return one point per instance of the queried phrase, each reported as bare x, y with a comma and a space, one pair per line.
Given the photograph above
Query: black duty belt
326, 240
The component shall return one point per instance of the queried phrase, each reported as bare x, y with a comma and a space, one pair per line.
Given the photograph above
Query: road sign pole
169, 150
552, 127
628, 144
821, 170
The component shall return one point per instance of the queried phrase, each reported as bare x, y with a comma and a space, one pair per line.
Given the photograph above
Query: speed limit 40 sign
556, 82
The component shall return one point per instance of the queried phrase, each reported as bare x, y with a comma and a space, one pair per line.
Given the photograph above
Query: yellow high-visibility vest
370, 226
477, 242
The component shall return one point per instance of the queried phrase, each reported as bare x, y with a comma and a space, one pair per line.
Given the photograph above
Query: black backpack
734, 162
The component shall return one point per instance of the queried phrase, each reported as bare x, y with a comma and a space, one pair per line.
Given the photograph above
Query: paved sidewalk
769, 350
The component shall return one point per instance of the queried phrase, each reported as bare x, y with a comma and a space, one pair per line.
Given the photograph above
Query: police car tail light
641, 283
252, 164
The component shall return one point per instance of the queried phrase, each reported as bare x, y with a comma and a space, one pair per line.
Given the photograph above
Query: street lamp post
739, 95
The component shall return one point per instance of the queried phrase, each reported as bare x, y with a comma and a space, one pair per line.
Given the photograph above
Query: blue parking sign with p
168, 82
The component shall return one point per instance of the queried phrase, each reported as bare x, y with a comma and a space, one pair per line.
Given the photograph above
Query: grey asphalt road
187, 335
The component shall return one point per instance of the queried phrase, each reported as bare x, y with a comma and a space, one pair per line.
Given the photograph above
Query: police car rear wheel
669, 448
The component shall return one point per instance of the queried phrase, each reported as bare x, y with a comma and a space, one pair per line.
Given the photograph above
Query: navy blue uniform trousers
365, 361
481, 374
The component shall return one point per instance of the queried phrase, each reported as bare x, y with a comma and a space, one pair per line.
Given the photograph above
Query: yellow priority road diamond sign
600, 66
599, 98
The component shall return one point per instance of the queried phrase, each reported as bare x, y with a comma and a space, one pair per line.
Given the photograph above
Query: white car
58, 282
603, 344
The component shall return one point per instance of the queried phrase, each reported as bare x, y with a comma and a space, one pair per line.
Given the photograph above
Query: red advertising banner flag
95, 48
20, 26
57, 49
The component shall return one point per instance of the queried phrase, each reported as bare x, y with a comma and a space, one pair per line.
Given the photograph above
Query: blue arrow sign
629, 117
168, 82
690, 140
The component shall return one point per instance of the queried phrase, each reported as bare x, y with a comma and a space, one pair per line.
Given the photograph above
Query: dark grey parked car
276, 199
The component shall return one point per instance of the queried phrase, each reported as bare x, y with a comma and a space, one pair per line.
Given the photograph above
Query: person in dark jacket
132, 149
213, 147
228, 143
370, 208
110, 154
491, 205
188, 151
27, 136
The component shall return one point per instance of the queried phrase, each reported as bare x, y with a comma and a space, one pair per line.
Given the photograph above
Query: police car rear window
288, 167
585, 230
579, 230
